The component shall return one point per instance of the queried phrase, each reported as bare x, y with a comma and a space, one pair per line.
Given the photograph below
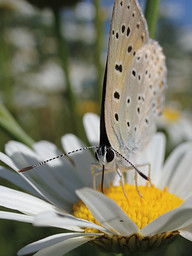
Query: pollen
142, 210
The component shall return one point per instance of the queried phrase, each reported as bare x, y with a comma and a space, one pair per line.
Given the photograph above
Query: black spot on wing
119, 68
129, 49
128, 31
123, 29
116, 117
133, 73
116, 95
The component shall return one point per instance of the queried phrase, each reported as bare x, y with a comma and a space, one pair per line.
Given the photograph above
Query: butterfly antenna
136, 169
53, 158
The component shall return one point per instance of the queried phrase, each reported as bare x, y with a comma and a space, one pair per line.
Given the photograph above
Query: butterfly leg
122, 180
95, 173
136, 184
98, 170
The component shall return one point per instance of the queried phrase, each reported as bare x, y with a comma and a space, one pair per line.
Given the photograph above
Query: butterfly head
105, 155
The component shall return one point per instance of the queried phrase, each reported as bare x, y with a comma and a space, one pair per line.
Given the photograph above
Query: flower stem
98, 49
10, 126
63, 53
151, 15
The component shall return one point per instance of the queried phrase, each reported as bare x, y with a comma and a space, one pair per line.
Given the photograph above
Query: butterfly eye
110, 155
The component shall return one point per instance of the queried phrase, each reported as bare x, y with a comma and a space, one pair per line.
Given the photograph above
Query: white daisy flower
63, 197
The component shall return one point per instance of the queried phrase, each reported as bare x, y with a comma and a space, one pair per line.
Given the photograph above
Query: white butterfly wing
128, 34
142, 97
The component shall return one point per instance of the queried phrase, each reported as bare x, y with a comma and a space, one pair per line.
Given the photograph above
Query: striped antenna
134, 167
28, 168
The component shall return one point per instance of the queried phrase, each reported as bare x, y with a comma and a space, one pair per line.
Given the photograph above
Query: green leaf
151, 15
9, 125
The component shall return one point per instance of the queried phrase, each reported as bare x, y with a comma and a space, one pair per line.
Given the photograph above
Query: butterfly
132, 97
134, 82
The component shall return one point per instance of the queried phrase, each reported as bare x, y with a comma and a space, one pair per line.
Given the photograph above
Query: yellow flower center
172, 115
142, 211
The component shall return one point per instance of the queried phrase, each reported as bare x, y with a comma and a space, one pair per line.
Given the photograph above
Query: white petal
92, 126
169, 221
53, 219
17, 180
107, 212
63, 168
63, 176
186, 232
42, 178
158, 150
20, 154
49, 241
49, 193
154, 155
16, 216
82, 159
171, 164
187, 202
12, 148
181, 180
22, 202
61, 248
8, 161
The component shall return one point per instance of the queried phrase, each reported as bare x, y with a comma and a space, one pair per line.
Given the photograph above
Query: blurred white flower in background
21, 37
171, 10
185, 39
85, 11
78, 25
82, 32
50, 78
20, 6
82, 74
177, 124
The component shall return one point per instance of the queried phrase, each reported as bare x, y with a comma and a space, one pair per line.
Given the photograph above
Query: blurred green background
52, 59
